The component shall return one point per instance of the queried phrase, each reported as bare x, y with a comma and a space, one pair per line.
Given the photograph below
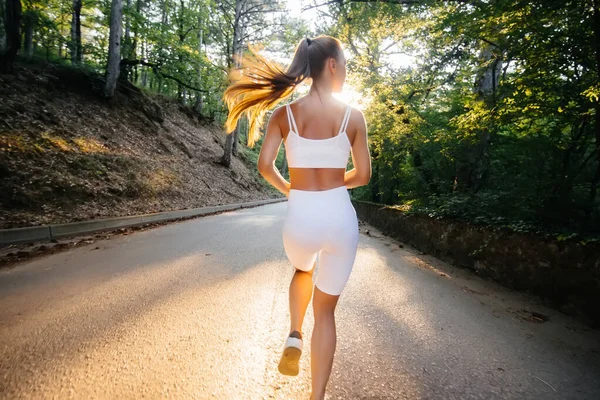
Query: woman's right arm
360, 175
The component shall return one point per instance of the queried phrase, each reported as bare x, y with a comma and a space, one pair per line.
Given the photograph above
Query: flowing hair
259, 84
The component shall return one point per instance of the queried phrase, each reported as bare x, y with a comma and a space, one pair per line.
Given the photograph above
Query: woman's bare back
317, 121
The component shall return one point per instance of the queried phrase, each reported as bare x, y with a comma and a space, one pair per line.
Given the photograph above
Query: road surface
199, 309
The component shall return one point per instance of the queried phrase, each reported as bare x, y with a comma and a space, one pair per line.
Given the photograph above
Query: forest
492, 117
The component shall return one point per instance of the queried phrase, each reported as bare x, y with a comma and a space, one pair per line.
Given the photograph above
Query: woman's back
317, 138
316, 120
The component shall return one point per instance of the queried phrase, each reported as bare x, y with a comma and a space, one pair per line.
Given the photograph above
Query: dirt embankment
68, 155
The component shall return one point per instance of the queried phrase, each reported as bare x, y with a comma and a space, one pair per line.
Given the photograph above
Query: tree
12, 23
2, 27
29, 18
114, 48
75, 43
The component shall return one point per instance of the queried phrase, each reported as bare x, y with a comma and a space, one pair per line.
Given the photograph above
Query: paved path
198, 309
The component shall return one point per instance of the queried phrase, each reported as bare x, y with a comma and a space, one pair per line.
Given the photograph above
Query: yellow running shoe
292, 350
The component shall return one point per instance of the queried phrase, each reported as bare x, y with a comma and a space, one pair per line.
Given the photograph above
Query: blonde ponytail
260, 84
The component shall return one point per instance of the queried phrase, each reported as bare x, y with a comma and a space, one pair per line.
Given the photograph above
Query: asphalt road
199, 309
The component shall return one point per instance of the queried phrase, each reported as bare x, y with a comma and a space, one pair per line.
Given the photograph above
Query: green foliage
493, 122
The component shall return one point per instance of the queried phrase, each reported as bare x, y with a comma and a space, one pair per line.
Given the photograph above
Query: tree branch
398, 2
125, 63
342, 2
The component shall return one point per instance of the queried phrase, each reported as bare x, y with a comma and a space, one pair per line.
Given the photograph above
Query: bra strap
345, 120
291, 120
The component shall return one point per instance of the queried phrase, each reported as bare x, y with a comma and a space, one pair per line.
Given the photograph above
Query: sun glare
348, 95
351, 96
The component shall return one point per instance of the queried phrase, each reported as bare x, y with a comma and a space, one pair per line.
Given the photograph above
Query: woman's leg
323, 342
300, 295
301, 291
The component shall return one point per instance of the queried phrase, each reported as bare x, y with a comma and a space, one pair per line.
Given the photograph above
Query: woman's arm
350, 179
268, 154
360, 175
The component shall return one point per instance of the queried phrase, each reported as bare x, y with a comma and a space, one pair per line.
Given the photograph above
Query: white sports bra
317, 153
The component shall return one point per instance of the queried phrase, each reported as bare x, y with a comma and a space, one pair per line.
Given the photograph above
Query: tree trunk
226, 159
236, 134
198, 104
240, 132
127, 53
12, 22
165, 17
134, 44
240, 51
237, 40
144, 69
75, 45
114, 48
29, 23
2, 27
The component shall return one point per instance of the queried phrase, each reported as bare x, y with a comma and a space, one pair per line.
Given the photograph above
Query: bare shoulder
277, 113
278, 116
357, 118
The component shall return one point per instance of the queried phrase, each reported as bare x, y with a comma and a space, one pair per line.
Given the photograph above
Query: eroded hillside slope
67, 155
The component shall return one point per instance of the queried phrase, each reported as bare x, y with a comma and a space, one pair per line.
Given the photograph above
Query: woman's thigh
338, 254
325, 222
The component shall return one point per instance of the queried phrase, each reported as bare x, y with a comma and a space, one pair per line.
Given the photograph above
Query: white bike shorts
322, 223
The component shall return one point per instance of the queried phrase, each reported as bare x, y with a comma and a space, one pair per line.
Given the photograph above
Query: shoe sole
289, 361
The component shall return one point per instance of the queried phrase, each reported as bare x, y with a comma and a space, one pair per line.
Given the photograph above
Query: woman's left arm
268, 154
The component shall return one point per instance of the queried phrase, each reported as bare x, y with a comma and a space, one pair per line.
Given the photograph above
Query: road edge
46, 233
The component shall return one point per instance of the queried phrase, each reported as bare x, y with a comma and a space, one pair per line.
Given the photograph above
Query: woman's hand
287, 189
